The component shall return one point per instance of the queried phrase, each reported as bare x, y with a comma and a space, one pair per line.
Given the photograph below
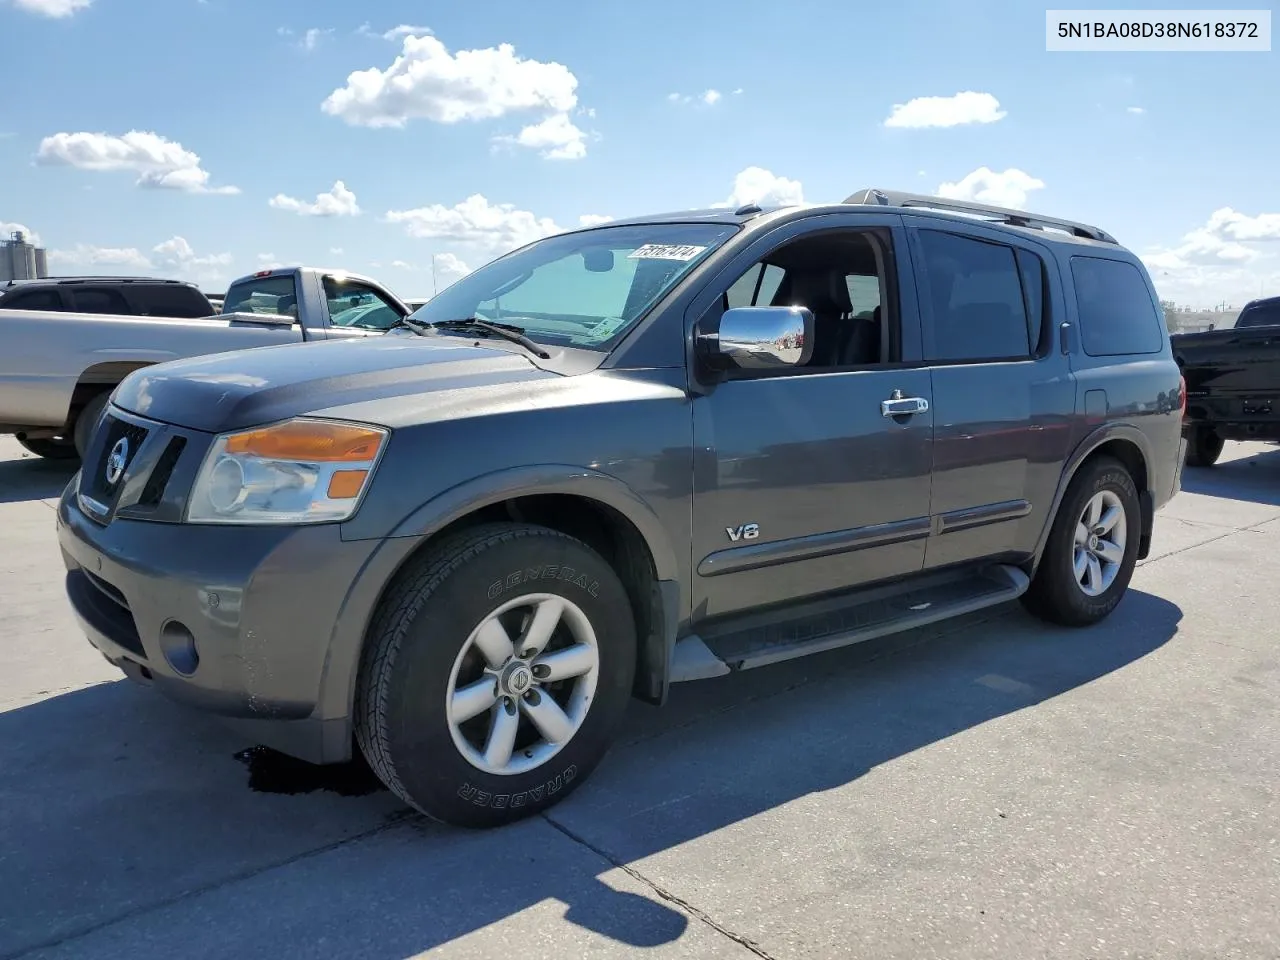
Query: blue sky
194, 138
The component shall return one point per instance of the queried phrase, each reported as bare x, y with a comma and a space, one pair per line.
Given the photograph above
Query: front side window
580, 289
272, 295
975, 291
355, 304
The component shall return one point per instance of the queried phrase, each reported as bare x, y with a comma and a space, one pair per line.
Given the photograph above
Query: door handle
900, 406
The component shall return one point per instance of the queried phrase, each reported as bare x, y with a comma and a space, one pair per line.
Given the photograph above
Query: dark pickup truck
658, 450
1233, 381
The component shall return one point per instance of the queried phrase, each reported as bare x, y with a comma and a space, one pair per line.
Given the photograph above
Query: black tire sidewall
87, 420
1205, 447
432, 774
1096, 478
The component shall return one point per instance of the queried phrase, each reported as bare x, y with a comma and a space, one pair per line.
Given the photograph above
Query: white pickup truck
57, 368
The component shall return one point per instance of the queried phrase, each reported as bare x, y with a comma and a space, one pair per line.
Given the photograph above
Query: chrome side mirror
754, 338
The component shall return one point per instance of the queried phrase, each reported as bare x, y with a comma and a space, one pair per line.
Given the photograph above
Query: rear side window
32, 300
1117, 313
100, 301
170, 301
1261, 315
270, 295
975, 291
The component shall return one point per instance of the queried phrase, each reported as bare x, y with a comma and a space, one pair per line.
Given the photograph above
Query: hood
246, 388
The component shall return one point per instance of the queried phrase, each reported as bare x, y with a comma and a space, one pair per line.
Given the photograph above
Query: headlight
299, 471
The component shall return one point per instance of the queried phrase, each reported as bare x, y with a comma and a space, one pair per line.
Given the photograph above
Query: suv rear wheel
495, 675
1092, 548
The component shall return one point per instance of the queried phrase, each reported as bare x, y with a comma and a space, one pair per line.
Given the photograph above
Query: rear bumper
239, 622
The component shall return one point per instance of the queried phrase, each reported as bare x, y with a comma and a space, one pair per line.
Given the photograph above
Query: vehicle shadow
1255, 479
130, 828
34, 478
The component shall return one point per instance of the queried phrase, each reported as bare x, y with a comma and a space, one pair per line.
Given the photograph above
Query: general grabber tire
502, 631
1204, 447
1089, 558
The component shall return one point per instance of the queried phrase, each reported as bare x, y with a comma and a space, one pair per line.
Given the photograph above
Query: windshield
580, 289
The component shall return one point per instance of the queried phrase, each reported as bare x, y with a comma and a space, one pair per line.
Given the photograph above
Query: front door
803, 484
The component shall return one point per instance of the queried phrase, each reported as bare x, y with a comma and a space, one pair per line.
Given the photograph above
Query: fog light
179, 648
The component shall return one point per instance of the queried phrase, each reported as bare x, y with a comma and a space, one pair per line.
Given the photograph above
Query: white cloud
476, 221
52, 8
963, 108
160, 163
337, 202
7, 229
737, 92
1008, 188
1135, 110
1225, 259
403, 265
708, 97
83, 254
406, 30
336, 251
758, 185
177, 255
427, 81
556, 138
593, 220
448, 268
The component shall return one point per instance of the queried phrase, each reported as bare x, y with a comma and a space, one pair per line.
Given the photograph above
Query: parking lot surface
987, 788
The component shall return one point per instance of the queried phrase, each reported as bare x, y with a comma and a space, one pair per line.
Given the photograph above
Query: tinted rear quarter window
170, 301
1118, 316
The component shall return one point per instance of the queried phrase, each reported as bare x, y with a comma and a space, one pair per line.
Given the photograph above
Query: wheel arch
598, 509
1125, 443
96, 379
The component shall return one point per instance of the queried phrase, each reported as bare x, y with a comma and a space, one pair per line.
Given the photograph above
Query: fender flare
393, 551
1091, 442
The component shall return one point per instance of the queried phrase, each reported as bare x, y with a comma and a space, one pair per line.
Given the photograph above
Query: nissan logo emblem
117, 460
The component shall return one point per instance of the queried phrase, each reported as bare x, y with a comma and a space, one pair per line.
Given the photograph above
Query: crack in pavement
663, 893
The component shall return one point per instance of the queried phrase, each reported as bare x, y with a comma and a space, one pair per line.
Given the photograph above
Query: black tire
1055, 594
50, 449
401, 722
87, 422
1204, 447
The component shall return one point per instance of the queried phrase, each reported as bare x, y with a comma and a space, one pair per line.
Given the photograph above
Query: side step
759, 639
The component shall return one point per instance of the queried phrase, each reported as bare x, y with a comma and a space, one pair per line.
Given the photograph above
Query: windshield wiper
508, 331
417, 326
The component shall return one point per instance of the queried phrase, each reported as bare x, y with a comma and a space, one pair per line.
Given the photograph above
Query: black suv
123, 296
657, 450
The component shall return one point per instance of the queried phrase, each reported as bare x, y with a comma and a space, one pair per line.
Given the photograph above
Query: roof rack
1016, 218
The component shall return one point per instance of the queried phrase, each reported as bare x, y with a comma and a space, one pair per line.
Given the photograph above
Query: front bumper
238, 621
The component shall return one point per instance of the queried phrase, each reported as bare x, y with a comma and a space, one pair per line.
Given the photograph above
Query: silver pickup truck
58, 369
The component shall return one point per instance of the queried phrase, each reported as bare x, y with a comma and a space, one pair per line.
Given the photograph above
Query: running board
760, 639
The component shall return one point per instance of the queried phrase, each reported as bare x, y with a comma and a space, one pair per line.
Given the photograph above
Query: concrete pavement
987, 788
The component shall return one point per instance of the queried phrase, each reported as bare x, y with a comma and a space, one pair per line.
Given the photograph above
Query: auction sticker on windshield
665, 251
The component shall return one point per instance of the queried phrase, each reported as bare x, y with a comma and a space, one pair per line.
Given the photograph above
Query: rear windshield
276, 295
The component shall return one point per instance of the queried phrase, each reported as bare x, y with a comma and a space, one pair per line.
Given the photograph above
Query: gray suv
658, 450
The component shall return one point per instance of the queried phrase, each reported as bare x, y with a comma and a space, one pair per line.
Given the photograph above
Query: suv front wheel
495, 675
1092, 548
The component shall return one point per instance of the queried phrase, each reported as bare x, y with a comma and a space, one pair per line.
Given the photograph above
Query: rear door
1002, 388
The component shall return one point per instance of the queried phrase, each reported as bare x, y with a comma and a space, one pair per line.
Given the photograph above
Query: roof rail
1016, 218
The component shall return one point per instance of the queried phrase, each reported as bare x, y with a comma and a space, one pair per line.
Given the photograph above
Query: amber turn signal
345, 484
312, 441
